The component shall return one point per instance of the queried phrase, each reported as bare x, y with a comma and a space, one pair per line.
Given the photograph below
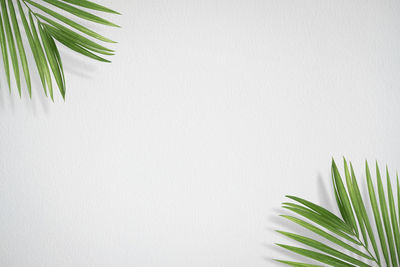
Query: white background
180, 152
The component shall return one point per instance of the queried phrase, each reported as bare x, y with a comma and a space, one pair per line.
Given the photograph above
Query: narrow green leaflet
309, 212
385, 215
365, 219
53, 58
80, 13
3, 43
324, 248
11, 44
321, 221
32, 45
79, 39
65, 40
344, 199
69, 22
318, 209
354, 200
398, 195
91, 5
43, 61
298, 264
331, 261
377, 216
327, 236
393, 214
339, 202
20, 46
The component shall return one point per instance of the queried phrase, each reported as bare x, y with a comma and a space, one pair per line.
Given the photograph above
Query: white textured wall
180, 152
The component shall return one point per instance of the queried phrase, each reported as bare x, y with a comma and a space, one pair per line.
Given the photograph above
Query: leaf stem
368, 251
30, 10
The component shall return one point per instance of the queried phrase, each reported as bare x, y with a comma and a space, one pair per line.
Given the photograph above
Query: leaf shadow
325, 195
77, 65
279, 223
37, 103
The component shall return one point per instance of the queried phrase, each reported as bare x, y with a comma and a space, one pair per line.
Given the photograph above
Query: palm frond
351, 238
38, 27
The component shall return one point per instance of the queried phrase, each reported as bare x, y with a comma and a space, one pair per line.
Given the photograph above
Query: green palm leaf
44, 28
349, 239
